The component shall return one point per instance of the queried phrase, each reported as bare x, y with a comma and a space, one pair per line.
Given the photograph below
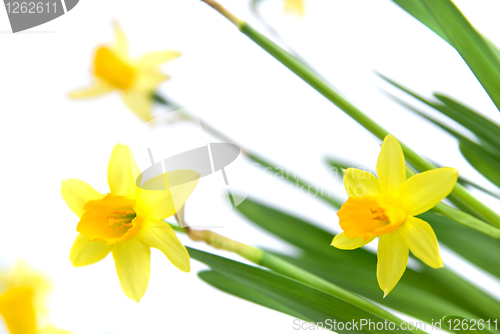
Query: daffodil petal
147, 82
392, 260
423, 191
421, 239
342, 242
100, 87
160, 235
161, 204
154, 59
85, 252
360, 183
17, 310
182, 183
154, 204
132, 261
120, 46
122, 172
391, 168
53, 330
76, 193
140, 103
295, 6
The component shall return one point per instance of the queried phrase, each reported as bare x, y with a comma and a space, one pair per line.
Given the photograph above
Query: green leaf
459, 324
474, 121
418, 10
482, 160
415, 294
447, 21
240, 290
315, 305
481, 126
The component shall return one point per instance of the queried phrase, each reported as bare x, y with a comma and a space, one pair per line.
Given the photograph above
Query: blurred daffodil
137, 80
23, 294
128, 220
387, 208
295, 6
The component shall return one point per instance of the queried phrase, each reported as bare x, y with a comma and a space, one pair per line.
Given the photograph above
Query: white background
232, 84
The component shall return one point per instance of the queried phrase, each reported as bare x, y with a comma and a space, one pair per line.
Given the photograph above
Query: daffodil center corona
367, 217
113, 69
111, 219
121, 219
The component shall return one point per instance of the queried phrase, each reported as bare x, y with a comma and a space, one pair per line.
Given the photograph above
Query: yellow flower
23, 294
128, 220
137, 80
387, 208
295, 6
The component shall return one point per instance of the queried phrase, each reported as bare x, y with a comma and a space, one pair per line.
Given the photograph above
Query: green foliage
419, 294
301, 299
444, 18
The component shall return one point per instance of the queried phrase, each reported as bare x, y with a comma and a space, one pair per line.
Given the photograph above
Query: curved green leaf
240, 290
315, 305
355, 270
446, 20
482, 160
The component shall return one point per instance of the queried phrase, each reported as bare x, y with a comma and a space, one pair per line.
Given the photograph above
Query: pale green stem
270, 261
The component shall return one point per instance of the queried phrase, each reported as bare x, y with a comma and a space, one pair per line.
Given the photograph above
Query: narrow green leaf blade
482, 160
443, 17
472, 115
481, 126
355, 270
474, 49
415, 295
418, 10
240, 290
315, 305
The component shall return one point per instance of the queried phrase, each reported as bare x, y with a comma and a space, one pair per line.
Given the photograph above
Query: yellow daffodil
23, 294
137, 80
387, 208
128, 220
295, 6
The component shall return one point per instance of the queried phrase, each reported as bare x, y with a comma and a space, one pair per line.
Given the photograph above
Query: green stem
459, 192
265, 259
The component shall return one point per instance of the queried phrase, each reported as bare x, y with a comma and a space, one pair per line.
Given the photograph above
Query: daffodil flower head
296, 7
23, 299
137, 80
127, 221
386, 208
